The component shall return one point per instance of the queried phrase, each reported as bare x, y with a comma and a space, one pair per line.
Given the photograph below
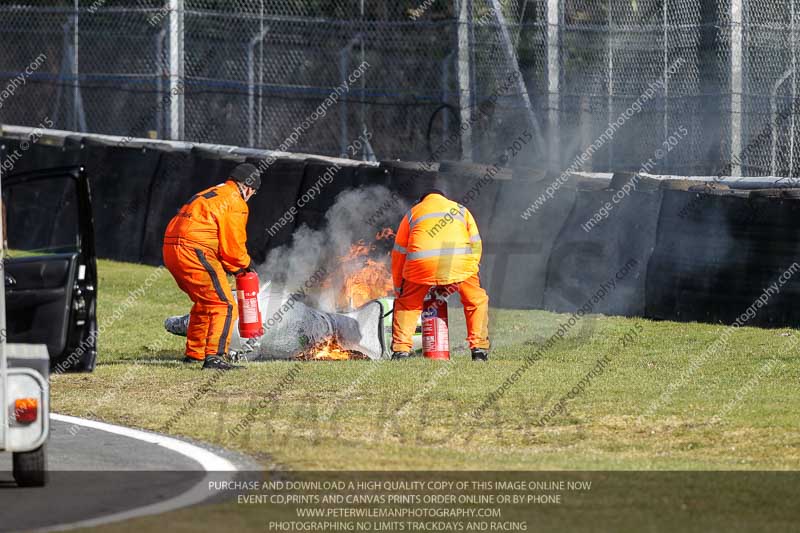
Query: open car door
51, 270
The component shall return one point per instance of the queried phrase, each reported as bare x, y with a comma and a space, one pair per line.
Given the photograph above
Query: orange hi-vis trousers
214, 313
408, 307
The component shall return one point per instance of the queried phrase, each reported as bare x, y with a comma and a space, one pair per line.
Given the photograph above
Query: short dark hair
247, 174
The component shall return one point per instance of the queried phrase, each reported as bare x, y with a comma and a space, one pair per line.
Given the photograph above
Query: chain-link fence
459, 78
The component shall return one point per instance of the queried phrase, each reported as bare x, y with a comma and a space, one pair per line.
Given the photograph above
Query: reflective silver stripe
410, 220
436, 253
401, 249
425, 217
475, 238
440, 215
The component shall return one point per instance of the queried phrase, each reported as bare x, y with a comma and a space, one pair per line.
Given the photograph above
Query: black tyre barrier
512, 254
517, 249
769, 232
179, 175
410, 180
709, 250
532, 174
605, 242
712, 263
121, 178
168, 192
209, 168
370, 175
17, 158
476, 187
321, 183
272, 220
471, 171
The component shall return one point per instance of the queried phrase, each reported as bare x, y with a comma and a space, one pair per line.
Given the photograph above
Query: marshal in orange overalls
203, 243
437, 244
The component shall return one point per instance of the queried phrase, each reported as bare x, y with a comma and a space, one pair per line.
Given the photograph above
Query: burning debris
330, 350
306, 334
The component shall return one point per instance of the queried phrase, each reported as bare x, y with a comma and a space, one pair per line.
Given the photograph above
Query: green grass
343, 414
415, 415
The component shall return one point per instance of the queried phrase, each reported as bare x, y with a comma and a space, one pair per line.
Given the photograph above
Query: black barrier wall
674, 250
711, 263
606, 242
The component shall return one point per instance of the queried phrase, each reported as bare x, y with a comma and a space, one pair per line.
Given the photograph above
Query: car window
41, 217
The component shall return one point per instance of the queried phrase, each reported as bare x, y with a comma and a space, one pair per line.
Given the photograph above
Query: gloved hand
243, 271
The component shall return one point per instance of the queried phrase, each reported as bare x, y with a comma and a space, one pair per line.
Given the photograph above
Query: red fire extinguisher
249, 314
435, 335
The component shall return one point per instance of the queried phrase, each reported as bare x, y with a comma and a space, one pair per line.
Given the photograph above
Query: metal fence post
610, 86
344, 108
773, 107
794, 90
464, 77
736, 86
554, 79
160, 40
251, 86
666, 76
68, 76
363, 79
261, 77
3, 365
177, 60
75, 69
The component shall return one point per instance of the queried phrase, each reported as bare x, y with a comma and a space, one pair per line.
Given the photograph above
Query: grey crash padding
303, 327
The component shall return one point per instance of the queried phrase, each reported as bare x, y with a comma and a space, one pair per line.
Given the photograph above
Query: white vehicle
24, 409
24, 398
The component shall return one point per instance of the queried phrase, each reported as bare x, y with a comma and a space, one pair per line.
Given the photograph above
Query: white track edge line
209, 461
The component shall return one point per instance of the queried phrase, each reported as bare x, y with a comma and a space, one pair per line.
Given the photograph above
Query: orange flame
329, 350
367, 284
360, 278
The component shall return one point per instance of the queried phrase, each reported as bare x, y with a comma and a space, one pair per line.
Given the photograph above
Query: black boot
188, 359
215, 362
399, 356
479, 354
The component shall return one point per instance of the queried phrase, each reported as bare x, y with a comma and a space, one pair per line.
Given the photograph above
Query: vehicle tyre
30, 468
87, 360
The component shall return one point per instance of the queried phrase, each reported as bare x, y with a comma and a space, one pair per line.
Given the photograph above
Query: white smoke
357, 214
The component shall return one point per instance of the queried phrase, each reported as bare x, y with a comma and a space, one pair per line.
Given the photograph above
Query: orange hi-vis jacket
437, 243
216, 220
